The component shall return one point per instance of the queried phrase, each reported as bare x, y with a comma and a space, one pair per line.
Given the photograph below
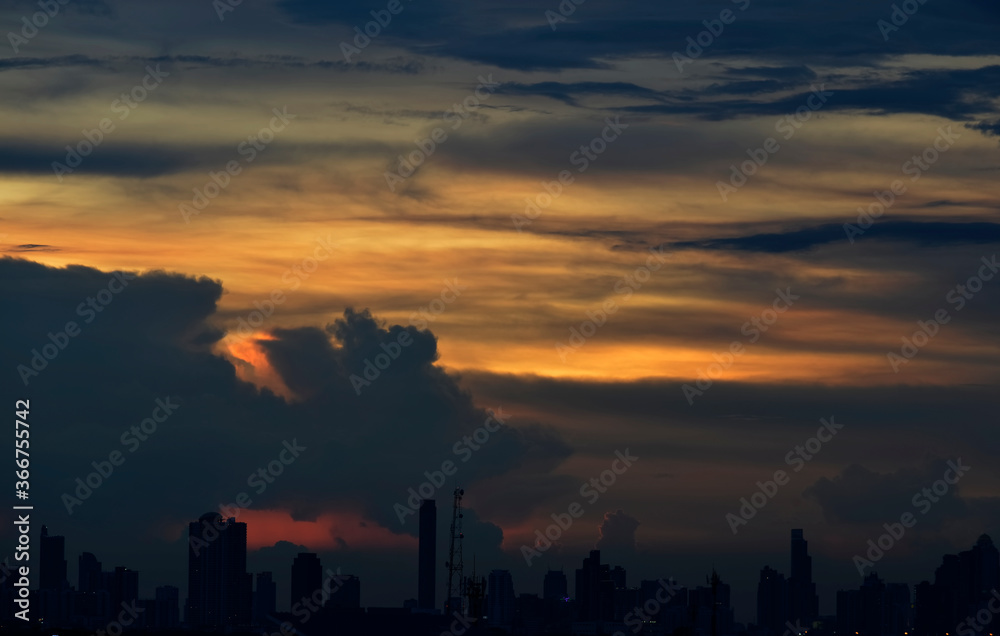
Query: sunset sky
498, 101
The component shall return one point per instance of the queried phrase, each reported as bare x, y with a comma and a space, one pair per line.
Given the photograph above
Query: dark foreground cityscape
697, 299
222, 597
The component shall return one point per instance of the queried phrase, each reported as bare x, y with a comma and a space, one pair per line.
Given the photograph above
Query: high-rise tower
803, 604
52, 562
307, 577
219, 587
772, 601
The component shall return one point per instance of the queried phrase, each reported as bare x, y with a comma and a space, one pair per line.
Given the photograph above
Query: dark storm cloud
312, 367
152, 340
158, 319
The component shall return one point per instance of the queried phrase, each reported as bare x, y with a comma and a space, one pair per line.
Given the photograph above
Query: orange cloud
330, 531
252, 365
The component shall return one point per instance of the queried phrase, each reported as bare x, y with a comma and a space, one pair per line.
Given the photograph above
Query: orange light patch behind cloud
328, 532
252, 365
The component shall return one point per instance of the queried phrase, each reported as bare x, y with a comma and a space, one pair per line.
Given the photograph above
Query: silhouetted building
588, 588
772, 601
51, 562
124, 588
307, 577
265, 598
88, 573
554, 587
803, 603
529, 615
672, 614
475, 591
219, 588
848, 611
345, 593
710, 607
166, 607
500, 599
92, 601
964, 585
619, 577
427, 556
55, 598
979, 570
898, 618
875, 609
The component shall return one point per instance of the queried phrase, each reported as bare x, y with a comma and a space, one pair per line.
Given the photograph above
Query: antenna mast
454, 563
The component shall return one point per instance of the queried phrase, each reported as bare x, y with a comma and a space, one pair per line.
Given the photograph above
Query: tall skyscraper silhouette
803, 603
427, 556
554, 587
54, 595
710, 607
88, 573
265, 598
219, 587
772, 601
500, 599
52, 562
594, 589
964, 585
167, 607
124, 587
307, 577
347, 594
982, 567
875, 608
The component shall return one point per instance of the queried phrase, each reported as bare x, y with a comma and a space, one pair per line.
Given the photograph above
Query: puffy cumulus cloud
144, 337
617, 534
411, 414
